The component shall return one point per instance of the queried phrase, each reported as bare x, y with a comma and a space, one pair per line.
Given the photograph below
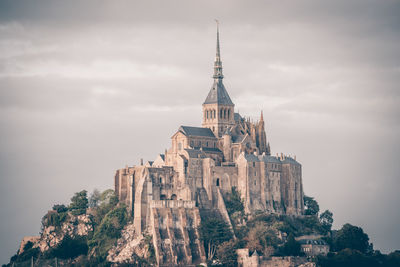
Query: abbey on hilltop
202, 165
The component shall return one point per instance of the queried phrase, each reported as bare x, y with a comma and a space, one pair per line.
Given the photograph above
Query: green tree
226, 253
233, 202
60, 208
326, 220
260, 236
79, 203
312, 207
94, 198
351, 237
348, 258
214, 232
109, 230
291, 247
70, 248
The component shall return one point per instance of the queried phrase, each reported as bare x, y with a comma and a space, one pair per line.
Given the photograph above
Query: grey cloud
82, 84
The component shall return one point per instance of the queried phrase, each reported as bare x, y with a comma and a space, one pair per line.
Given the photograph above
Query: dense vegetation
108, 218
266, 234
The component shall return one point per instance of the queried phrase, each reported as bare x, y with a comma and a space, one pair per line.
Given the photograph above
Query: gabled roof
312, 242
237, 117
218, 94
196, 131
251, 157
290, 161
271, 159
193, 153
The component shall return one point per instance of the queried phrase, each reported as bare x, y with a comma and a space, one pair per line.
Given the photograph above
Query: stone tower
218, 108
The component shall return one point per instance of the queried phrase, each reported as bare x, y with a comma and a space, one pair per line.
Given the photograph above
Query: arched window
229, 114
224, 113
214, 113
160, 180
207, 114
217, 183
220, 113
173, 197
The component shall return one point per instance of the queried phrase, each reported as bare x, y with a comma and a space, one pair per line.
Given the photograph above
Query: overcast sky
87, 87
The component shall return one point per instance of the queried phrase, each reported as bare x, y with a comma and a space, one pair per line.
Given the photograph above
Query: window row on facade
224, 113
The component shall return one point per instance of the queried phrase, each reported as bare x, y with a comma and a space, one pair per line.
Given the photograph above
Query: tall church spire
218, 62
218, 108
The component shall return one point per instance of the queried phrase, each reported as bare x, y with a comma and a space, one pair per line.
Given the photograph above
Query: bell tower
218, 108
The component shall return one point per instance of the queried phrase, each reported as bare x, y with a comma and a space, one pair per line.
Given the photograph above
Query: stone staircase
202, 199
176, 238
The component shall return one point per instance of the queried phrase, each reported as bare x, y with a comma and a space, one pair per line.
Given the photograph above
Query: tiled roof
251, 157
196, 131
266, 158
312, 242
193, 153
237, 117
218, 94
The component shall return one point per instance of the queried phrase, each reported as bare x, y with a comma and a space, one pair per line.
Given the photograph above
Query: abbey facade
166, 196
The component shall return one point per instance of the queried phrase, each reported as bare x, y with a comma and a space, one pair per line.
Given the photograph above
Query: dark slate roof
162, 156
193, 153
238, 138
218, 94
269, 159
251, 157
290, 161
196, 131
312, 242
237, 117
211, 149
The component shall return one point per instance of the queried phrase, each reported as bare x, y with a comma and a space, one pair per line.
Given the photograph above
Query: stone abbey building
167, 196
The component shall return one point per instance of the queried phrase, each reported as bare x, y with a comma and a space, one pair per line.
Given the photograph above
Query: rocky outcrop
129, 246
51, 236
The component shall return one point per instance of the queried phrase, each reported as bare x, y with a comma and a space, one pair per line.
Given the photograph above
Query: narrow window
217, 182
229, 114
160, 180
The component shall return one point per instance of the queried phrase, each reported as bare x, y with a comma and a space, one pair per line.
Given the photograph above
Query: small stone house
314, 247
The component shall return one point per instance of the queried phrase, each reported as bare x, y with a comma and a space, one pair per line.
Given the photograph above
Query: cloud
88, 87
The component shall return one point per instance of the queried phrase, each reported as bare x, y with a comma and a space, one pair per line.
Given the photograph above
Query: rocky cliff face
51, 235
130, 246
